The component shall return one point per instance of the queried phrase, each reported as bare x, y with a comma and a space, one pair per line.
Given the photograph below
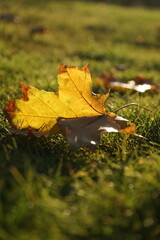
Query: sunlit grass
49, 191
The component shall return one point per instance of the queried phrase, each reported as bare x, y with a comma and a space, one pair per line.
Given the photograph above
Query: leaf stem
132, 104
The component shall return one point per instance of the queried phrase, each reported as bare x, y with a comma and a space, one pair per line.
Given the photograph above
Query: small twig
138, 135
132, 104
150, 142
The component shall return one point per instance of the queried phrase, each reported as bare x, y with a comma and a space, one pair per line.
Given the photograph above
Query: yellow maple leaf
38, 110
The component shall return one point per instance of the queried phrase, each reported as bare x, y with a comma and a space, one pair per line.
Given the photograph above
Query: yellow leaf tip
111, 114
129, 130
63, 68
85, 68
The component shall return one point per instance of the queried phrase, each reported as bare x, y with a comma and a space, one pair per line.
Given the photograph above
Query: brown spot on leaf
10, 107
25, 89
62, 68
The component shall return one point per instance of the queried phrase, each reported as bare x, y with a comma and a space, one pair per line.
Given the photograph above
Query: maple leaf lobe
39, 112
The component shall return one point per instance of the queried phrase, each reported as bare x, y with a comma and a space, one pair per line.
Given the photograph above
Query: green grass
49, 191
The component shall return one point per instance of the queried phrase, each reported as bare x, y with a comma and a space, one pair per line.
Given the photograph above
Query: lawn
48, 190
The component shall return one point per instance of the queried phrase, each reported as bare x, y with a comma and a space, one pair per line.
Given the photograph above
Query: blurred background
107, 33
148, 3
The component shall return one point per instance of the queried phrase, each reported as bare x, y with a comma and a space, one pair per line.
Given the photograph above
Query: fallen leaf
86, 131
38, 110
38, 30
74, 110
139, 84
10, 18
